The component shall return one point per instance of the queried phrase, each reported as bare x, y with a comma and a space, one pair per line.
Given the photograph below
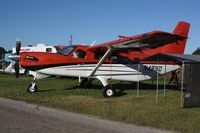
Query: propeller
15, 57
16, 67
18, 46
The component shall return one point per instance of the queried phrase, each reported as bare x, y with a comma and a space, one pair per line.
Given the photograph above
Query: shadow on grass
47, 90
52, 90
120, 87
133, 86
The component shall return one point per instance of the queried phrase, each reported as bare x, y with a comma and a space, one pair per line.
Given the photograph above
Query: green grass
65, 94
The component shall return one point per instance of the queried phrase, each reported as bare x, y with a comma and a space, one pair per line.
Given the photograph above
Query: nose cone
14, 57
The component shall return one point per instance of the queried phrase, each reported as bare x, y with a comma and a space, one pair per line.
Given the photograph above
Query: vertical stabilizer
181, 29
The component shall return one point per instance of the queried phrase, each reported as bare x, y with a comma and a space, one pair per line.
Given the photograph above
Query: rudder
181, 29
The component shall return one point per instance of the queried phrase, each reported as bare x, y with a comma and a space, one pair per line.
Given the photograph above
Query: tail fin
9, 68
181, 29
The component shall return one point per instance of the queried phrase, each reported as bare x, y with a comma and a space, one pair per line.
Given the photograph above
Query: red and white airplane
122, 59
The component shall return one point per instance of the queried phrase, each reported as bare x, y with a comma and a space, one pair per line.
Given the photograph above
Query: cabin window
48, 49
79, 54
124, 59
98, 56
115, 58
66, 50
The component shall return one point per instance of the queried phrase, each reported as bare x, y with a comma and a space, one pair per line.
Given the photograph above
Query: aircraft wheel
88, 85
32, 89
85, 84
108, 92
26, 72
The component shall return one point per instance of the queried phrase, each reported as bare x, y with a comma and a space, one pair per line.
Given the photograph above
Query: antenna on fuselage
70, 40
93, 43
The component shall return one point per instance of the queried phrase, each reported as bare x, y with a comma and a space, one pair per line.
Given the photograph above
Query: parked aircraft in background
38, 48
122, 59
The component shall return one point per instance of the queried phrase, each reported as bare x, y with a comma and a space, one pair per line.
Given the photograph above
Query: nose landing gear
32, 87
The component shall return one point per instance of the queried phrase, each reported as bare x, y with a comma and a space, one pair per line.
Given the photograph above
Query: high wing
148, 40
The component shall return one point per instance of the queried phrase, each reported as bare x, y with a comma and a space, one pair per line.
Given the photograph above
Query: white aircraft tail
9, 68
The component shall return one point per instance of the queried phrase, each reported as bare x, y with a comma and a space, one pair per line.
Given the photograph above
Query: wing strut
100, 63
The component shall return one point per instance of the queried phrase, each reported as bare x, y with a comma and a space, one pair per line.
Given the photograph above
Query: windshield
66, 50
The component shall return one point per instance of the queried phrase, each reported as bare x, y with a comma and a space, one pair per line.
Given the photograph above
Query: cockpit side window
79, 54
66, 50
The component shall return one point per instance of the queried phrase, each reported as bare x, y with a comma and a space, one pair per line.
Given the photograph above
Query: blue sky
53, 21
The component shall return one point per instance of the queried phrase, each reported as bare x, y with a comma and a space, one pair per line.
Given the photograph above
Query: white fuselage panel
129, 72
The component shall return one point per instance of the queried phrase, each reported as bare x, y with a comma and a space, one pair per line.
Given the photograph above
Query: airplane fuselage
77, 61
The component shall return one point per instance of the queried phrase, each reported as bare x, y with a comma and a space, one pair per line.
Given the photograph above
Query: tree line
196, 52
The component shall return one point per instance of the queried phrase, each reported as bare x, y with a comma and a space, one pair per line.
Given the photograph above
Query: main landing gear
85, 83
108, 91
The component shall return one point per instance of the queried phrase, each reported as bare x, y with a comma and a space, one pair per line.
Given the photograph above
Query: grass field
65, 94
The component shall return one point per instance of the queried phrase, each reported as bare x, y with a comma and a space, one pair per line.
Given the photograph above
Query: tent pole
182, 83
2, 62
157, 82
138, 82
157, 89
164, 82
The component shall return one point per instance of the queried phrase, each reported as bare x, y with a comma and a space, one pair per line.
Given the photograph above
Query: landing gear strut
108, 92
32, 87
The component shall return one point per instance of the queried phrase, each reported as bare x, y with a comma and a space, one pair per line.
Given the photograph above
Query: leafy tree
2, 51
196, 52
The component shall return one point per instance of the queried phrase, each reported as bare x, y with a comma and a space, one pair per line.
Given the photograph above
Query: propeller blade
18, 46
16, 69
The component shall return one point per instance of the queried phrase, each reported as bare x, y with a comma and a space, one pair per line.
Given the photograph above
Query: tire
88, 85
32, 90
108, 92
85, 84
26, 72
